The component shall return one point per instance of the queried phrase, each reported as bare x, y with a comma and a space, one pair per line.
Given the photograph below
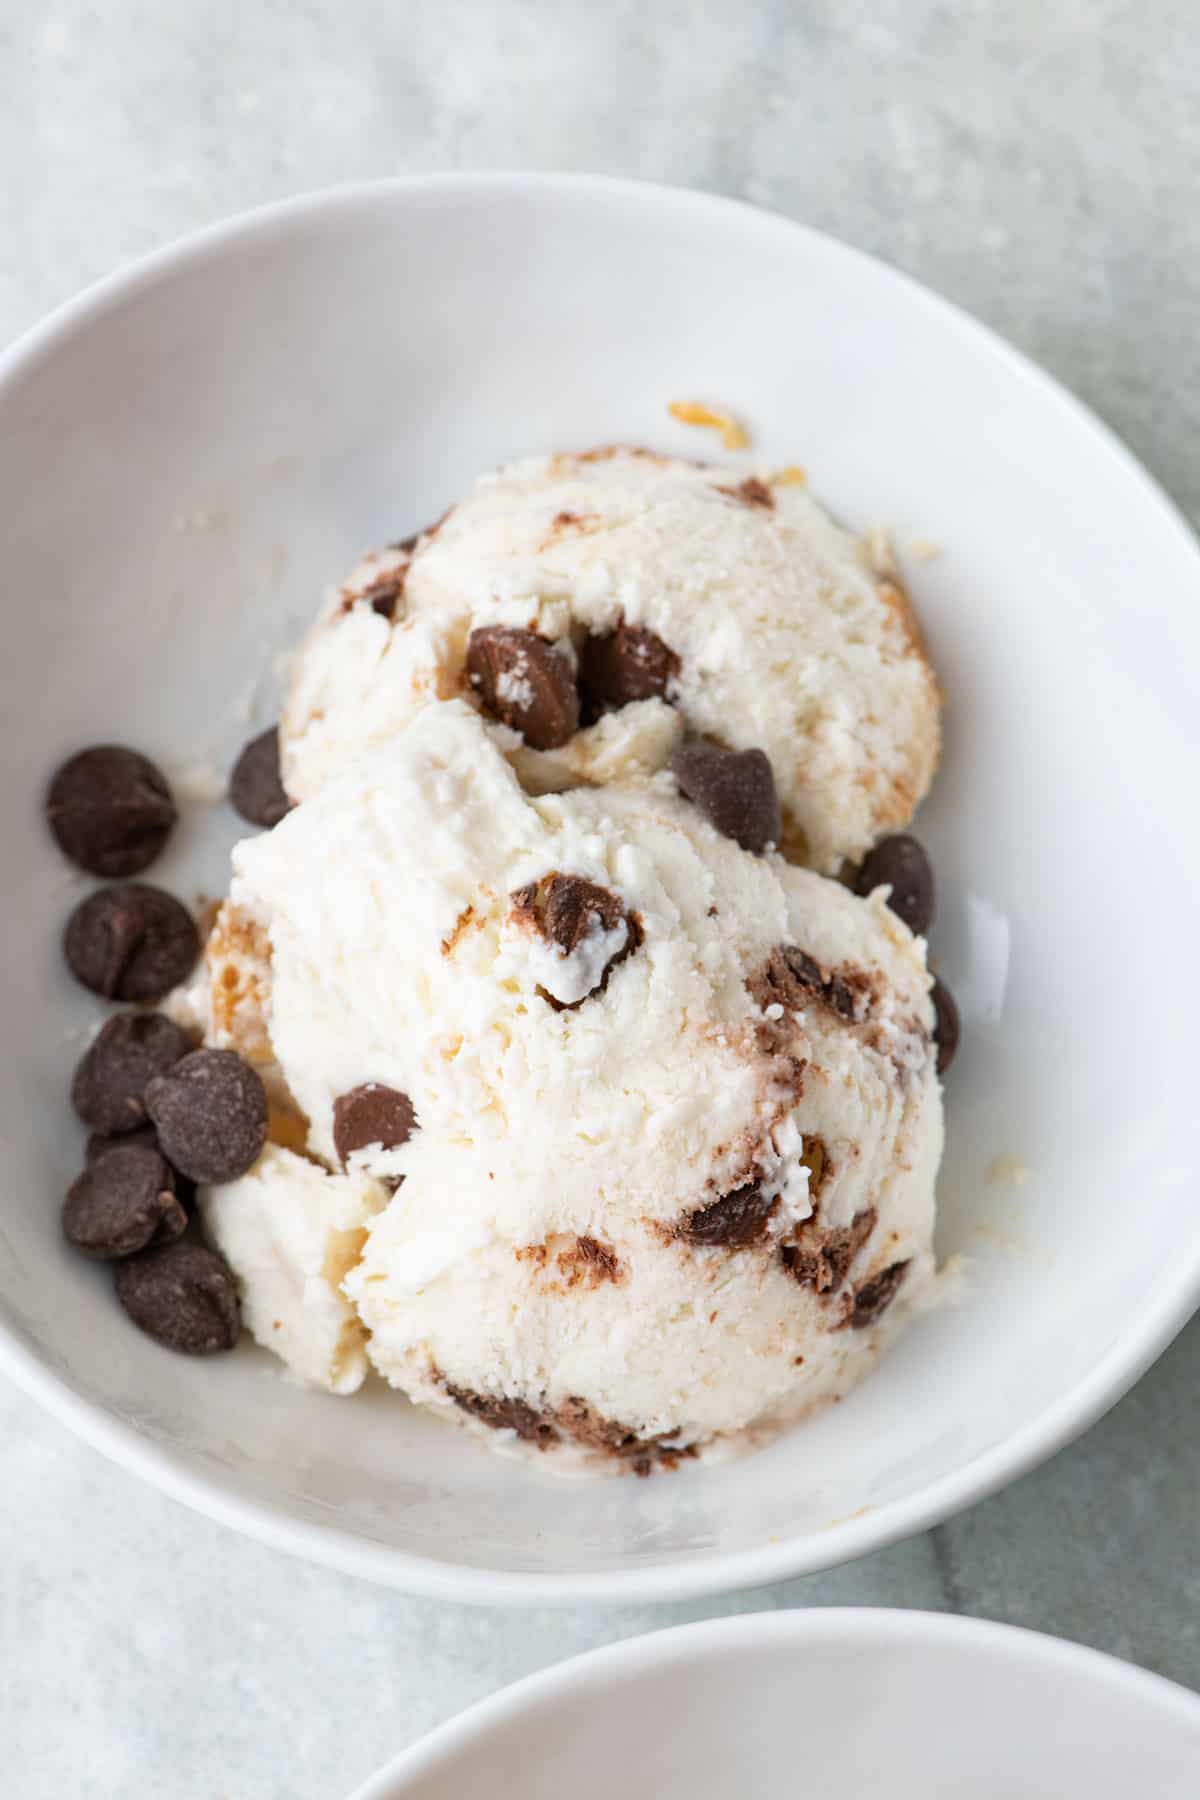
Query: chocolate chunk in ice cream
733, 1222
874, 1298
524, 682
256, 786
210, 1110
184, 1296
109, 1086
131, 943
630, 663
568, 911
110, 810
900, 863
946, 1025
735, 789
371, 1115
820, 1257
124, 1201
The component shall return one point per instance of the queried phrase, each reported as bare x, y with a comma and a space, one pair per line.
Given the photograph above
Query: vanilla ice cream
629, 1137
734, 608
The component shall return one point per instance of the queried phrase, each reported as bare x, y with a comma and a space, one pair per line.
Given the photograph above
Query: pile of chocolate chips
162, 1114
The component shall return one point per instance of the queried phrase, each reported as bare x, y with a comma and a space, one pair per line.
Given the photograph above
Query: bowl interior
827, 1705
185, 463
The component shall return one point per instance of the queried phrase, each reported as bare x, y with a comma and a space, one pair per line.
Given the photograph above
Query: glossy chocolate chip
372, 1116
630, 663
256, 786
109, 1087
110, 810
123, 1202
946, 1026
523, 681
900, 863
132, 943
184, 1296
735, 789
210, 1111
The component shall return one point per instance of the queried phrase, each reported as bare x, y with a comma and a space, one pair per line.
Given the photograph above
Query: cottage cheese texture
671, 1184
787, 638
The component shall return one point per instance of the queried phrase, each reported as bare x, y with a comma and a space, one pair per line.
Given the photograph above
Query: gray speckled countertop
1039, 165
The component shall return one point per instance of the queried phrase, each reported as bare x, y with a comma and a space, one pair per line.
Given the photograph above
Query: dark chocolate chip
505, 1414
524, 682
565, 909
369, 1115
110, 810
211, 1115
100, 1142
184, 1296
385, 593
131, 943
733, 1222
630, 663
900, 863
821, 1257
875, 1297
256, 786
109, 1087
125, 1201
946, 1025
735, 789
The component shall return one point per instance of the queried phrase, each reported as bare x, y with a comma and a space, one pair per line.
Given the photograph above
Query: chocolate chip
900, 863
123, 1202
505, 1414
524, 682
132, 943
385, 594
256, 786
735, 789
566, 909
184, 1296
630, 663
109, 1086
734, 1222
211, 1115
875, 1297
820, 1257
371, 1115
946, 1025
110, 810
100, 1143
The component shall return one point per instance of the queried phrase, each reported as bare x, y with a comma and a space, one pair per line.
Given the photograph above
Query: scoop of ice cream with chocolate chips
621, 1138
598, 607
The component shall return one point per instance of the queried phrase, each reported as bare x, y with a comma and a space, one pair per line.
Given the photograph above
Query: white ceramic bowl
823, 1705
191, 451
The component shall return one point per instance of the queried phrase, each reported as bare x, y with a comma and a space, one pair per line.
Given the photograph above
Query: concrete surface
1036, 163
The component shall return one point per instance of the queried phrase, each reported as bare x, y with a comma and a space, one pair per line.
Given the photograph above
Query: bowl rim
783, 1632
1145, 1333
